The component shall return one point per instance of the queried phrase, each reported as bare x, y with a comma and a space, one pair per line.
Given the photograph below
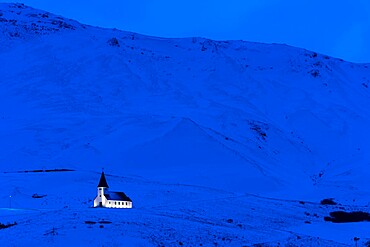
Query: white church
108, 199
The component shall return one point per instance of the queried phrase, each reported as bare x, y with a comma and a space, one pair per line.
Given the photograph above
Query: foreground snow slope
234, 115
163, 215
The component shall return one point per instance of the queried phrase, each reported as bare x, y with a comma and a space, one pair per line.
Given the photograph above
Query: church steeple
103, 182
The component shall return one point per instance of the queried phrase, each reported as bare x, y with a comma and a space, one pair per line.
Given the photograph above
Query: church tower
100, 200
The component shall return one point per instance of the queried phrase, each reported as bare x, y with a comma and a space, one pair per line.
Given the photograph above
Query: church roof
117, 196
103, 181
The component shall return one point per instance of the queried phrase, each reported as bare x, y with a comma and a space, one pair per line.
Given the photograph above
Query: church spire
103, 182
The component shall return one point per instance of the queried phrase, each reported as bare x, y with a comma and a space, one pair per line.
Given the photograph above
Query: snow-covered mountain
266, 119
231, 114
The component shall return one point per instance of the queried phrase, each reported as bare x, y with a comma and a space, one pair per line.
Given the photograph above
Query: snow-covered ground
163, 215
195, 131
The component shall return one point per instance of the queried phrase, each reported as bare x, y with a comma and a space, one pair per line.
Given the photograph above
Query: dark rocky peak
20, 21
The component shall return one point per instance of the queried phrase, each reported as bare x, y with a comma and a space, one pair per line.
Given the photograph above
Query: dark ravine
44, 170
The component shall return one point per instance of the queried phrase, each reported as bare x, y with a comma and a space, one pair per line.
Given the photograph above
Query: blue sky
337, 28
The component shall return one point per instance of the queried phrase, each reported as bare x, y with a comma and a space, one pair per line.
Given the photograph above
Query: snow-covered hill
218, 113
266, 119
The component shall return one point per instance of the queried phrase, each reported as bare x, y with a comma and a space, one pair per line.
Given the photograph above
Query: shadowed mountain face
234, 115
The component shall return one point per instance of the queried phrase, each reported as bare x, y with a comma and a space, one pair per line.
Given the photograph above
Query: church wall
118, 204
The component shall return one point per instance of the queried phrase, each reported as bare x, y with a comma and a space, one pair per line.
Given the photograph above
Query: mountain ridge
298, 114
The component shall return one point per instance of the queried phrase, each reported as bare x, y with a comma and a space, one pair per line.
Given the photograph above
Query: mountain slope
83, 97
